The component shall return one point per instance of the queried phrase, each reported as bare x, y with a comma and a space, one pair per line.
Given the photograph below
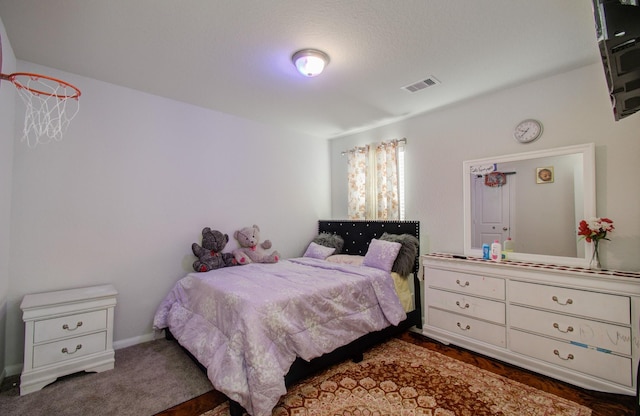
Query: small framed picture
544, 174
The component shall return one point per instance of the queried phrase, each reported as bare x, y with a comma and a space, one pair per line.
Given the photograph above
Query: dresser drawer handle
462, 285
466, 305
568, 302
66, 351
466, 328
569, 328
569, 357
66, 326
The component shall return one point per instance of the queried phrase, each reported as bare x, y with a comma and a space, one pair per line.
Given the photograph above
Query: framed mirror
535, 199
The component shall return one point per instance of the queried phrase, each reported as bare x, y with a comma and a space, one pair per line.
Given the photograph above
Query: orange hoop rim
18, 84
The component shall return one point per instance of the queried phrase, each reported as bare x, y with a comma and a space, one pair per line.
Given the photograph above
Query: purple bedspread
247, 324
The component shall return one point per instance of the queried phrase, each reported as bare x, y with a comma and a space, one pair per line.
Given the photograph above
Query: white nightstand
65, 332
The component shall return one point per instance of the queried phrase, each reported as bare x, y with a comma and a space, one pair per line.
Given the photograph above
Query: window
376, 181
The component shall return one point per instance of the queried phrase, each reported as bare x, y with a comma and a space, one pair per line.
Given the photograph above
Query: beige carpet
147, 378
400, 378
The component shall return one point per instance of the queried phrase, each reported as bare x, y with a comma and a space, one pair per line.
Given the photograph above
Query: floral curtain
358, 166
373, 182
387, 204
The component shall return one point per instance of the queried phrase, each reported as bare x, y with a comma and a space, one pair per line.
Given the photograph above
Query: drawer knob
66, 326
66, 351
569, 357
462, 285
568, 302
466, 328
569, 328
466, 305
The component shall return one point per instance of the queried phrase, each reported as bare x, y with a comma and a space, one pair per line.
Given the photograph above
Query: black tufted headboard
358, 233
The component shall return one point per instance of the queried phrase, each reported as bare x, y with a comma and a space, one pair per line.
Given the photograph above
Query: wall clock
527, 131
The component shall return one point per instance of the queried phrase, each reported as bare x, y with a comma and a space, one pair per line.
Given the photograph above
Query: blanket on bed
247, 324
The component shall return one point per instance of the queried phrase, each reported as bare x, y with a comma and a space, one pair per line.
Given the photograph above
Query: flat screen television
618, 32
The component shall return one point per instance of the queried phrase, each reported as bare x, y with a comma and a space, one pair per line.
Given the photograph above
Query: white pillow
381, 254
351, 259
317, 251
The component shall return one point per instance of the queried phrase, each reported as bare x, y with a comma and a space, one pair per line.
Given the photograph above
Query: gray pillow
406, 259
330, 240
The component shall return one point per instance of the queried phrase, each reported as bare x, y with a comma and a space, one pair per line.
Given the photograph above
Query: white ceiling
234, 56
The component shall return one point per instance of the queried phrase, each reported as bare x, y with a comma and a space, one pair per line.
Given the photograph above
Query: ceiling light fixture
310, 62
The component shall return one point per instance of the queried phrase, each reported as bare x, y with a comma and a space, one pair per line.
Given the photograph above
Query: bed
258, 328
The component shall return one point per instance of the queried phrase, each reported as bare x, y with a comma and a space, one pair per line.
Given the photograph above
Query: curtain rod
403, 140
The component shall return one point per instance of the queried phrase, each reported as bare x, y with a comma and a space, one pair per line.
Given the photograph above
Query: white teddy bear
251, 250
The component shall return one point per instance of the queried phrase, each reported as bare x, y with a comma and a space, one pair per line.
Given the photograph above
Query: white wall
127, 191
7, 108
574, 108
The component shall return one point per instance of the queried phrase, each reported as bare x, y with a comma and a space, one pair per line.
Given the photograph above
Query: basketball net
50, 103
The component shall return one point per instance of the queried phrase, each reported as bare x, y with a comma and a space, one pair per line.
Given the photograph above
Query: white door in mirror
527, 131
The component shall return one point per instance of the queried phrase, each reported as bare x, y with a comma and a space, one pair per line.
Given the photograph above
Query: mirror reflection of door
491, 215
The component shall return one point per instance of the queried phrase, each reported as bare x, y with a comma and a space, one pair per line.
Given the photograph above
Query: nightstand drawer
66, 349
69, 326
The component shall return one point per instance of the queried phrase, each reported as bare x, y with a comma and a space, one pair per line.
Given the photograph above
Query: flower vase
594, 264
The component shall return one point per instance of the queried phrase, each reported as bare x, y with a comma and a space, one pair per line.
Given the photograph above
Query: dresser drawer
66, 349
599, 364
467, 327
593, 333
477, 285
479, 308
600, 306
72, 325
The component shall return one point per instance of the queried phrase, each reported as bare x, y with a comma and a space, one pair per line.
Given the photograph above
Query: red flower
595, 229
583, 230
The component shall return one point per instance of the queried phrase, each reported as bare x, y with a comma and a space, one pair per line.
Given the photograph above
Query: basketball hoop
50, 103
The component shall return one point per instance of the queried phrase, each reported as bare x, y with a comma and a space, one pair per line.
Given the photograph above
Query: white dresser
569, 323
65, 332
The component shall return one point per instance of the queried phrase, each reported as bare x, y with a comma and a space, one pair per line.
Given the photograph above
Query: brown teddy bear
210, 255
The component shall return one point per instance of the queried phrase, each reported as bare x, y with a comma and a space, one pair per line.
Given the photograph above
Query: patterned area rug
400, 378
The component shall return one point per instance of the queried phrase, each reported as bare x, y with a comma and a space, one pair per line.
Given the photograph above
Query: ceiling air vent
420, 85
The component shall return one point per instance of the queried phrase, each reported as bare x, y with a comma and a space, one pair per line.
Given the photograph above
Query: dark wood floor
602, 404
